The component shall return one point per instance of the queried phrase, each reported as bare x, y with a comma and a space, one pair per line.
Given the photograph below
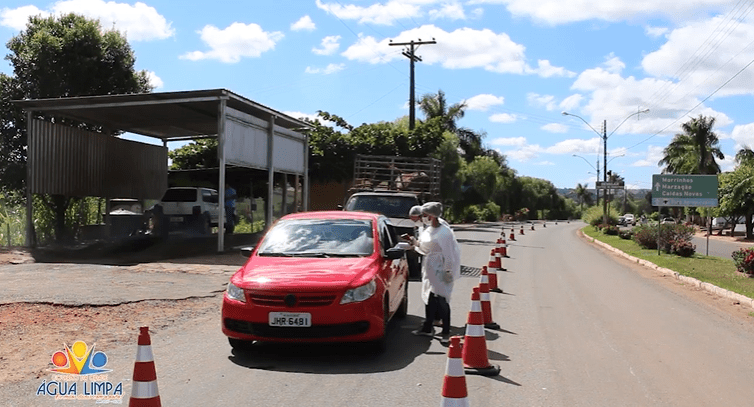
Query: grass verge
714, 270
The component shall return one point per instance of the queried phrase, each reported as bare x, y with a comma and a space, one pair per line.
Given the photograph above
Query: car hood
305, 274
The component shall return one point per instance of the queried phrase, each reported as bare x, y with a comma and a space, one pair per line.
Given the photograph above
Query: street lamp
604, 137
597, 168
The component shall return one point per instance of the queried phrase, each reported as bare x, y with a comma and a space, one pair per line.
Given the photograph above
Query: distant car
629, 219
668, 221
334, 276
189, 207
621, 220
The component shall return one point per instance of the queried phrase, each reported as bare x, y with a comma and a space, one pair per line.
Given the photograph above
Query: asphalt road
579, 328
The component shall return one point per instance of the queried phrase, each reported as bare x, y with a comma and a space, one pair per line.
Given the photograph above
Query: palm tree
436, 106
745, 156
581, 193
693, 151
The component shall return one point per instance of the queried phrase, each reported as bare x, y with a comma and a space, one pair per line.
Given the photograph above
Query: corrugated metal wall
68, 161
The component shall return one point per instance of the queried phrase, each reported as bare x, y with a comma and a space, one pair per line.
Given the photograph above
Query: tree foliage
694, 151
64, 56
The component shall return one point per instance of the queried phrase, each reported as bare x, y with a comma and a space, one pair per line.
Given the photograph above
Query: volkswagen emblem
290, 300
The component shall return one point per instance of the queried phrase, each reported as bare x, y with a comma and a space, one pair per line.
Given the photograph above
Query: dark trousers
437, 306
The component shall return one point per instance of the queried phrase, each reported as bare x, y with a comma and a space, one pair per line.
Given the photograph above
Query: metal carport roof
169, 116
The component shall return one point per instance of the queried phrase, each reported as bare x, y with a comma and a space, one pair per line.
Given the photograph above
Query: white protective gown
441, 264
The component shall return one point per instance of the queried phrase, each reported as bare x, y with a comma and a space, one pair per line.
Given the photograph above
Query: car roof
333, 215
385, 193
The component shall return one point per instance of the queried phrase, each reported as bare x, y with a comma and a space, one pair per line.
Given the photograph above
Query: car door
389, 269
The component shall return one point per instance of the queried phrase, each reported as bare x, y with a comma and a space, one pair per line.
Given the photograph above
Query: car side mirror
246, 251
394, 254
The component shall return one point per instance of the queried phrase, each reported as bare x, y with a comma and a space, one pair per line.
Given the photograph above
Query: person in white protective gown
441, 266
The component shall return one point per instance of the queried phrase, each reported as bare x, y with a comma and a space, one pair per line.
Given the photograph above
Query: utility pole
604, 169
410, 53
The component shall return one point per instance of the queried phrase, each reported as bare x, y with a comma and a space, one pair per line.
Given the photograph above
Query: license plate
291, 319
176, 218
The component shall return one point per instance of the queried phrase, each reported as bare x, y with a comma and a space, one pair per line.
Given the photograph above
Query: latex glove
447, 276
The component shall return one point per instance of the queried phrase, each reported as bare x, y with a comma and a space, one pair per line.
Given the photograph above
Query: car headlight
360, 293
235, 293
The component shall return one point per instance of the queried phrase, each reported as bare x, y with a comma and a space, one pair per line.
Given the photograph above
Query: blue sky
518, 64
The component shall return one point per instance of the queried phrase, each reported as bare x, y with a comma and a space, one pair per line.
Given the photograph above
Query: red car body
316, 286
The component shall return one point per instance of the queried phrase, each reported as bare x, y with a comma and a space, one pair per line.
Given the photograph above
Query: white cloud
477, 13
555, 128
545, 163
310, 116
546, 70
567, 11
139, 22
503, 118
329, 45
546, 101
701, 56
613, 98
483, 102
329, 69
525, 153
653, 156
449, 11
18, 17
234, 42
571, 102
155, 80
382, 14
464, 48
509, 141
743, 135
655, 31
304, 23
575, 146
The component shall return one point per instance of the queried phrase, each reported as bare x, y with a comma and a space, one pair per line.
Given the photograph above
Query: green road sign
684, 190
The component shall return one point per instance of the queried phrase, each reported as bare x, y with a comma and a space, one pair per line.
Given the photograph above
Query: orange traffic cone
504, 248
532, 226
484, 298
144, 389
493, 260
522, 230
499, 260
454, 392
492, 274
475, 359
513, 235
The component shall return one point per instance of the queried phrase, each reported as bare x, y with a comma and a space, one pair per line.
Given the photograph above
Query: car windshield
390, 206
319, 238
179, 195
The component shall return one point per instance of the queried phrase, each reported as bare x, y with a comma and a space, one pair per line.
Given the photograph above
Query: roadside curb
721, 292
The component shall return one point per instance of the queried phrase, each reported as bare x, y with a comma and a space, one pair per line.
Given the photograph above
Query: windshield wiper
275, 254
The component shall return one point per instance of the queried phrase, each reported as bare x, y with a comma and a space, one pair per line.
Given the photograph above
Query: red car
319, 277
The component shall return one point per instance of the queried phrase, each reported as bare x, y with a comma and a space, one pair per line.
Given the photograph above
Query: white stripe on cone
144, 390
476, 306
144, 353
474, 330
447, 402
485, 278
484, 297
454, 368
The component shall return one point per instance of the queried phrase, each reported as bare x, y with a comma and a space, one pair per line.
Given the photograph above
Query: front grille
302, 299
316, 331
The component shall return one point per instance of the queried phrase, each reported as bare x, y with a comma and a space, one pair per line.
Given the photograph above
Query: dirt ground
49, 326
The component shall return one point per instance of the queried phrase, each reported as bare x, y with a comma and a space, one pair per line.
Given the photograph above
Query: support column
221, 181
271, 171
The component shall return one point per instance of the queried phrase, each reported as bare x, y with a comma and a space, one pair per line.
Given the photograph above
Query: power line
697, 105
